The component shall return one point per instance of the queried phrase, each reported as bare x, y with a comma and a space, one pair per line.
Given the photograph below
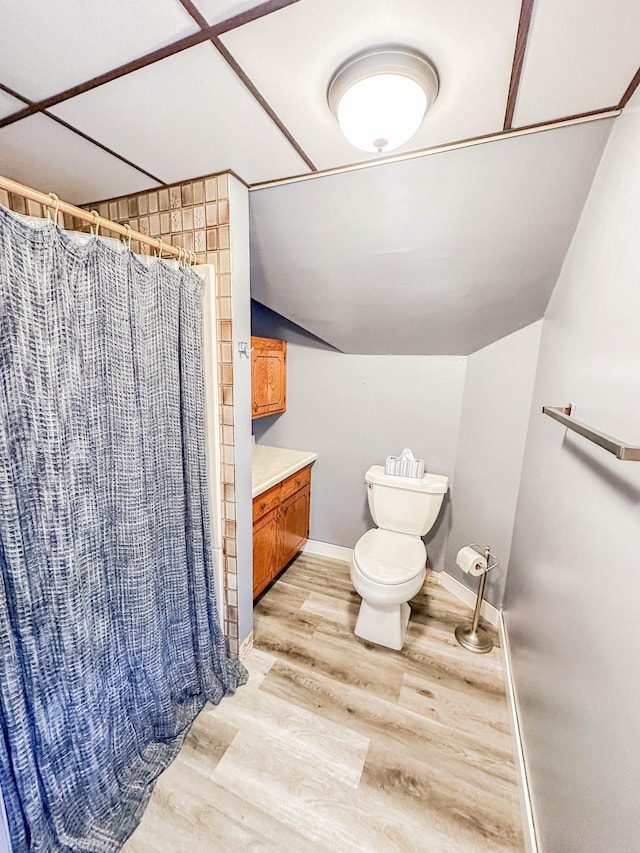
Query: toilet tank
405, 504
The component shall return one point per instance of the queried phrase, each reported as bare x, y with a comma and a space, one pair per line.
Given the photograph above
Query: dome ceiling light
380, 96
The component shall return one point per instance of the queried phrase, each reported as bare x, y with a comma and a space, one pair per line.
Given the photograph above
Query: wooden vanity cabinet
280, 526
268, 376
266, 535
295, 524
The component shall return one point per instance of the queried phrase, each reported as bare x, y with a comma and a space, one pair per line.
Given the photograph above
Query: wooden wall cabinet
280, 526
268, 376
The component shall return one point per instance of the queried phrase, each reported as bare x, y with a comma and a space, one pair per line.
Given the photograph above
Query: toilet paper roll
470, 561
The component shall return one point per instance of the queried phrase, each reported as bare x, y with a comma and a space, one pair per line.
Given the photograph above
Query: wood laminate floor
338, 745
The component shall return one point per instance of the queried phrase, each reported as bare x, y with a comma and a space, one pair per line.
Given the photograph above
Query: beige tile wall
194, 215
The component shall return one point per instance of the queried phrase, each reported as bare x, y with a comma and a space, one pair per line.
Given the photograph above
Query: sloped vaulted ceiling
438, 255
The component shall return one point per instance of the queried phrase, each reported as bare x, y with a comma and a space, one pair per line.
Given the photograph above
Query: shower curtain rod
51, 200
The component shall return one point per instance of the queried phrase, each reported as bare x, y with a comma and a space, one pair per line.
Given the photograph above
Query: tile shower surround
195, 215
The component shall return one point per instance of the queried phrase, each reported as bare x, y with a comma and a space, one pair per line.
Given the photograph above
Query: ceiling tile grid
634, 101
291, 56
46, 48
216, 11
581, 55
40, 152
9, 104
248, 105
182, 117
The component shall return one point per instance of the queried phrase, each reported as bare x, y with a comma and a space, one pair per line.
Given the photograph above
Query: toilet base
383, 624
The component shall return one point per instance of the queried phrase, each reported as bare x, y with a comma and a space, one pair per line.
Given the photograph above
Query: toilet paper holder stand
472, 637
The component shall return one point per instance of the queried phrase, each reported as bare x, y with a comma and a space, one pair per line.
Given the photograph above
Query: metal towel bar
562, 414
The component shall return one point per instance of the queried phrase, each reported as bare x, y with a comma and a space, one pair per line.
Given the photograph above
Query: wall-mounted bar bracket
620, 449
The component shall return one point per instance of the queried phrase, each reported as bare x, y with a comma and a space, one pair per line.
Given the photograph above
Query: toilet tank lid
434, 484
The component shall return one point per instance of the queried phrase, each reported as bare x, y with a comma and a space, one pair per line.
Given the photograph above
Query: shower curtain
109, 636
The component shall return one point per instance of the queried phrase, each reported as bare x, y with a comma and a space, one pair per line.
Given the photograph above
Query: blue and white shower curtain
109, 635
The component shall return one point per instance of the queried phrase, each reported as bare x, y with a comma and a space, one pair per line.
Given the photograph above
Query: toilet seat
390, 558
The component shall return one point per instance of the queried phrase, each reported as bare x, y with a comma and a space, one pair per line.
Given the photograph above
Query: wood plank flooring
338, 745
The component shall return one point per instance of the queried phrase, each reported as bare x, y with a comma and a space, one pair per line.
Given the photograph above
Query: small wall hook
244, 348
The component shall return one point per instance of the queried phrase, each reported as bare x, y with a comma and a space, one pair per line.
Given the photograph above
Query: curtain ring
159, 248
193, 263
127, 240
56, 201
95, 227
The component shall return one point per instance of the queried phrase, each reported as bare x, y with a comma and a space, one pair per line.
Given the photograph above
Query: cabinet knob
263, 505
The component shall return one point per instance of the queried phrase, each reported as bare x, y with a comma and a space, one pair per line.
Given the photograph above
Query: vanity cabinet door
295, 523
268, 376
267, 548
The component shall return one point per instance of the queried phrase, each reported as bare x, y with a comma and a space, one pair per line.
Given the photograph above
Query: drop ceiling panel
292, 54
185, 116
41, 153
47, 47
581, 56
432, 256
219, 10
9, 104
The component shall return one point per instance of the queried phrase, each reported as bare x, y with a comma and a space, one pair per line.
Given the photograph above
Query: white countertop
273, 464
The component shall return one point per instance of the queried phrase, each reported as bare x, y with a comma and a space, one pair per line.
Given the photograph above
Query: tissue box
405, 465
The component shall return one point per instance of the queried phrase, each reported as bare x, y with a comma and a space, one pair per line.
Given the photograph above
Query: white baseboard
245, 648
325, 549
468, 596
530, 839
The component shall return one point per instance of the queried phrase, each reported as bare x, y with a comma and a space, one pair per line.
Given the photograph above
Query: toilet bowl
389, 562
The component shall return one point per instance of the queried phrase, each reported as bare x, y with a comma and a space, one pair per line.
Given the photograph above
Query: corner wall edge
468, 597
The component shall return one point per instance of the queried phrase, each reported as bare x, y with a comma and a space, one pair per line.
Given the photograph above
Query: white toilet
389, 562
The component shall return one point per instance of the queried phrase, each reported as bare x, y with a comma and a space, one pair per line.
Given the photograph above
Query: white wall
354, 411
573, 587
493, 429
